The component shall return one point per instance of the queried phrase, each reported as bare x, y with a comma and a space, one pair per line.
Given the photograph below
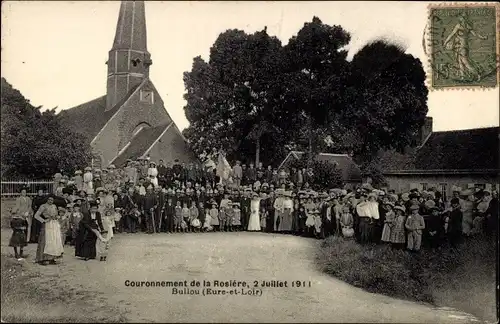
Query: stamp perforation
428, 45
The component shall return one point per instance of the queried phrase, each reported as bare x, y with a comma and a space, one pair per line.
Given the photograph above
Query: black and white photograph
250, 161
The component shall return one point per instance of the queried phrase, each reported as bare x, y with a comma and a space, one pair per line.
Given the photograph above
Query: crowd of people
88, 208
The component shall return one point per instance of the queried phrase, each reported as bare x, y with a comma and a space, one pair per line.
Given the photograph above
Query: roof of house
140, 143
90, 117
350, 170
471, 149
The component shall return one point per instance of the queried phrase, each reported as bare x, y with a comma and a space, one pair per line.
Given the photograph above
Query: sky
55, 52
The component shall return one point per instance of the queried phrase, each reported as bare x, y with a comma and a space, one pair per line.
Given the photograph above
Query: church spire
131, 27
129, 60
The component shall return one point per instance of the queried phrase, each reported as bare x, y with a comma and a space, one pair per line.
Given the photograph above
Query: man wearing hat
237, 174
328, 218
150, 203
455, 219
245, 207
131, 210
433, 232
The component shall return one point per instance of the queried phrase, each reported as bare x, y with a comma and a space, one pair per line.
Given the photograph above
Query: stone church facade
130, 121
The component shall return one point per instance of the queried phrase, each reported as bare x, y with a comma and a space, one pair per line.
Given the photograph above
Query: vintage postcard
249, 162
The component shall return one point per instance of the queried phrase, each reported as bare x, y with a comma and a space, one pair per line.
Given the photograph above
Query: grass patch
26, 299
463, 278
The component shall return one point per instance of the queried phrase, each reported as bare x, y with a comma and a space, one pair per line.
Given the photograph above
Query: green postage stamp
463, 45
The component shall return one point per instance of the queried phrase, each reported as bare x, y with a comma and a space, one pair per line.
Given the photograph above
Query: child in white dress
207, 227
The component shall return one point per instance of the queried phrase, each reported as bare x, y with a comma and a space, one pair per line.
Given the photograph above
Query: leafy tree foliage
35, 144
256, 96
325, 174
229, 104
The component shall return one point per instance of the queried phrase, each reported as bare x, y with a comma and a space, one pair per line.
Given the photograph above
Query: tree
325, 174
229, 99
385, 101
256, 96
36, 144
315, 67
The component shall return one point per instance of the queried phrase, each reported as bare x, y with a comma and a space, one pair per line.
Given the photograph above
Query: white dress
254, 221
153, 176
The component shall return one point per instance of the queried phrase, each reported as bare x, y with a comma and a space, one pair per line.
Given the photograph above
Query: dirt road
227, 256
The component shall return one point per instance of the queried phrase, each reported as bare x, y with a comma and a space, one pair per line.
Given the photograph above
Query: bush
447, 277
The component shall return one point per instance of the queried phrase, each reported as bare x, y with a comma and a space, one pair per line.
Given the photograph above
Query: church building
130, 121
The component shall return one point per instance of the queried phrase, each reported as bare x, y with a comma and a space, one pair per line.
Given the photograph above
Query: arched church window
140, 127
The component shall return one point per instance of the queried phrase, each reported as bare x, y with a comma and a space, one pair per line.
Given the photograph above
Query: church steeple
129, 59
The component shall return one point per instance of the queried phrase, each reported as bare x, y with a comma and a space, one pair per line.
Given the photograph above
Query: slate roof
139, 144
471, 149
90, 117
350, 170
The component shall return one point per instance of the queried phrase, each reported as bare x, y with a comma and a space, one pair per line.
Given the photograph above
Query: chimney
425, 131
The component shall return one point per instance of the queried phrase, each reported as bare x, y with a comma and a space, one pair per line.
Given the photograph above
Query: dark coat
85, 243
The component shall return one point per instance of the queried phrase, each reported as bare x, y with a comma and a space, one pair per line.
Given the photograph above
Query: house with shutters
464, 158
130, 121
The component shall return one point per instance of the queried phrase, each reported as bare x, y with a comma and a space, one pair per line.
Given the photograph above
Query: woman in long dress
254, 221
153, 174
89, 232
50, 246
286, 216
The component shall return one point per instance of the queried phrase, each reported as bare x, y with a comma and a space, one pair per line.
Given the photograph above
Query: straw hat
429, 204
414, 207
389, 203
401, 208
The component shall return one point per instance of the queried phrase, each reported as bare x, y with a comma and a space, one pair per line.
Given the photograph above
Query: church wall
172, 146
118, 132
136, 112
106, 142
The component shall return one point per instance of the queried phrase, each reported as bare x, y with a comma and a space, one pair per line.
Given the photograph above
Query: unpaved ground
225, 256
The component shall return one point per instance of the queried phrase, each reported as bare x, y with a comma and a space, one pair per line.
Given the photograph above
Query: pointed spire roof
131, 27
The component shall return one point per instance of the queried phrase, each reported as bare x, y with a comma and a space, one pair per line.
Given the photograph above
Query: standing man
177, 171
169, 216
328, 219
455, 219
149, 206
161, 196
245, 208
251, 175
237, 174
162, 171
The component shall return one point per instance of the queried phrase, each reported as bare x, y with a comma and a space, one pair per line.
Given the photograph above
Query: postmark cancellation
462, 43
